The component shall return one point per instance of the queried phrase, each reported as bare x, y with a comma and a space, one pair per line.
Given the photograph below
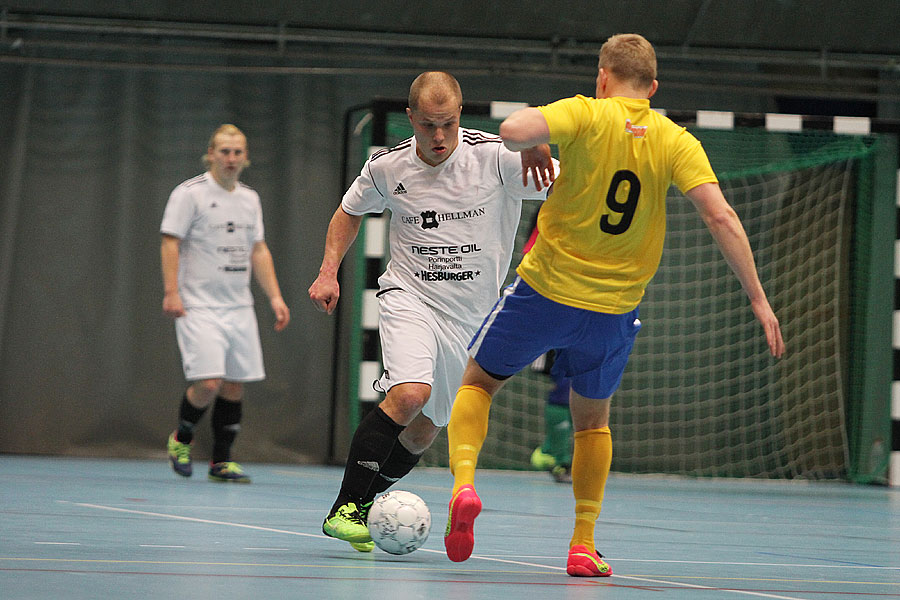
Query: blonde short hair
629, 57
440, 87
224, 129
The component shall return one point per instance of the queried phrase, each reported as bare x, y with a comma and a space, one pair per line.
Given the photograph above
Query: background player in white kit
212, 238
455, 196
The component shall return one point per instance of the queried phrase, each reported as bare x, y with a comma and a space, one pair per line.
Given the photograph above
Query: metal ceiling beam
156, 45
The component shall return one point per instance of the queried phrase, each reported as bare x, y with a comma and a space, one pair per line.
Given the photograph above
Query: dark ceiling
828, 49
824, 25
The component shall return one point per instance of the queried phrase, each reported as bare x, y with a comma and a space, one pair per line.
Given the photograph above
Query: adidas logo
399, 189
369, 464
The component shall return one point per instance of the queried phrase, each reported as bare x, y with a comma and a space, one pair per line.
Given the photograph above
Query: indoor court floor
98, 528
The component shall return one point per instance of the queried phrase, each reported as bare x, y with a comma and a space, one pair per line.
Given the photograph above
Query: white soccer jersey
453, 225
217, 229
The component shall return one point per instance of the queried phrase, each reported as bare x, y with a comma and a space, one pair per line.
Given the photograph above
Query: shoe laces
182, 452
351, 513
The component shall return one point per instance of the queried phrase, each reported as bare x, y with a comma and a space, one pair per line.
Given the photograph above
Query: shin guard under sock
466, 432
370, 448
590, 468
226, 423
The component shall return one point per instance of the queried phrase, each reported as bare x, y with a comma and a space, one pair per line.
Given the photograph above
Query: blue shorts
592, 348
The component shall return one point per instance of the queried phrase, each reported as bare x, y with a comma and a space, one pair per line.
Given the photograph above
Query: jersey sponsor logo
231, 226
431, 219
399, 189
439, 250
638, 131
237, 258
447, 276
442, 263
234, 252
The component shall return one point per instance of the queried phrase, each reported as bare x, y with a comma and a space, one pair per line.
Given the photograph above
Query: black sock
188, 417
398, 464
226, 422
371, 446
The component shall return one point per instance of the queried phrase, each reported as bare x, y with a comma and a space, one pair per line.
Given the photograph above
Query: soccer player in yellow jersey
578, 289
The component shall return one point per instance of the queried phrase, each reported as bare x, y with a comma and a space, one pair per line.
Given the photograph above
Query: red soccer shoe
585, 563
459, 538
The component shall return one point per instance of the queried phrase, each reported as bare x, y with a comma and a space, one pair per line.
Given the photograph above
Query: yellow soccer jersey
602, 229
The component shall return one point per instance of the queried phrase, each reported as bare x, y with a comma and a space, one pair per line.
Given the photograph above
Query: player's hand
537, 161
172, 305
282, 313
324, 293
769, 321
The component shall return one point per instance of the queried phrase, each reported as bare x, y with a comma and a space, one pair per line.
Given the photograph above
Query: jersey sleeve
260, 228
564, 117
364, 195
691, 164
510, 165
178, 214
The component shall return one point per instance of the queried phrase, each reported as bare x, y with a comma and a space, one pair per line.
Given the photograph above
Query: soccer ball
399, 522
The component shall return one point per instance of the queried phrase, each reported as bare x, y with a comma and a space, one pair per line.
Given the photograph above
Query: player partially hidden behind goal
578, 289
212, 239
555, 452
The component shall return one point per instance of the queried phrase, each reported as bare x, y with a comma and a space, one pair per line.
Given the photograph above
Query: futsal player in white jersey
455, 197
212, 239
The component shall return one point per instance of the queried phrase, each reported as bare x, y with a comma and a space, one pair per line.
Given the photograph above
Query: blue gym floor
96, 528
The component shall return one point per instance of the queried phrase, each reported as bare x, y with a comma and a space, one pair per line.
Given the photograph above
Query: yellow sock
591, 458
466, 432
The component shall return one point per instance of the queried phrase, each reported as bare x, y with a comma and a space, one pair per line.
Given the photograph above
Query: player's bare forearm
342, 231
169, 257
726, 228
525, 128
264, 272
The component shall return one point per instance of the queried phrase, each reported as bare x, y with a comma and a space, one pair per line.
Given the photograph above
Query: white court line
500, 560
758, 564
158, 546
197, 520
58, 543
632, 578
736, 564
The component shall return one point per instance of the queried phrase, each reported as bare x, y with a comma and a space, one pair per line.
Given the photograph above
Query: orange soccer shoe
586, 563
459, 537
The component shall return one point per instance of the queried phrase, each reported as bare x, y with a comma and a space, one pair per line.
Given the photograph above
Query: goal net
701, 395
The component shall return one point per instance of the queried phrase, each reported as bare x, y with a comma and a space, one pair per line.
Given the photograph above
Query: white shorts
220, 343
422, 345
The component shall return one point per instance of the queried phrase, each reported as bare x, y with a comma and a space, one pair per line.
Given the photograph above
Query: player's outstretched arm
342, 230
264, 272
729, 234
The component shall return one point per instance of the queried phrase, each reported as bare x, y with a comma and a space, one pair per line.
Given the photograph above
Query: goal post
701, 395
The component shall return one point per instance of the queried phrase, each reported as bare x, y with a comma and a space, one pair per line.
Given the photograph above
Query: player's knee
206, 390
418, 439
406, 402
